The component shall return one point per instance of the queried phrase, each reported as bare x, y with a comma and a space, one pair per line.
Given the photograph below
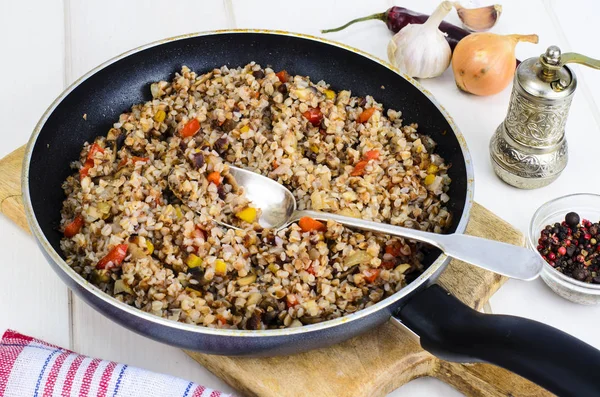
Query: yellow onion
484, 63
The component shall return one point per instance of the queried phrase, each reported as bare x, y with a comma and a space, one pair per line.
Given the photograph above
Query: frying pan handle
453, 331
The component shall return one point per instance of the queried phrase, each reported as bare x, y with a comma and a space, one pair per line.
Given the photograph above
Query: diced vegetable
214, 177
74, 227
248, 214
120, 286
100, 276
366, 115
115, 256
246, 280
104, 209
89, 162
308, 224
371, 155
357, 258
394, 248
388, 265
371, 274
432, 169
402, 268
135, 159
273, 268
359, 168
220, 267
149, 246
291, 300
283, 76
191, 128
95, 148
193, 261
329, 94
314, 148
178, 212
314, 116
245, 128
160, 116
429, 179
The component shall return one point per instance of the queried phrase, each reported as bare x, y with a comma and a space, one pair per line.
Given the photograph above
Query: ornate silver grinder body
529, 149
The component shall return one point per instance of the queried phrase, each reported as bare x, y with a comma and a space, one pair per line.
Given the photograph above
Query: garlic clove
478, 19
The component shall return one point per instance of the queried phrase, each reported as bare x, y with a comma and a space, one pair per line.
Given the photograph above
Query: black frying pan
447, 328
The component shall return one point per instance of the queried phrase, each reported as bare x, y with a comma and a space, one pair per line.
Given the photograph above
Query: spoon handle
505, 259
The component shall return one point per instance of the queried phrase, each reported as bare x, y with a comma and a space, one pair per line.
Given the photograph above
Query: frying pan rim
440, 262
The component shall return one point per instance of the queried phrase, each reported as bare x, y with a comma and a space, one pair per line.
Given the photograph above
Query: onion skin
484, 63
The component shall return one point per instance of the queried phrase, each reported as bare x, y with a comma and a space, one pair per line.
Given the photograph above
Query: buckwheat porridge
138, 218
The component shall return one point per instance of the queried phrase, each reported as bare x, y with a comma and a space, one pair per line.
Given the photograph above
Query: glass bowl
587, 205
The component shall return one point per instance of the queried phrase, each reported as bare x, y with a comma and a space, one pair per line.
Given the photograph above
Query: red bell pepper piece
114, 256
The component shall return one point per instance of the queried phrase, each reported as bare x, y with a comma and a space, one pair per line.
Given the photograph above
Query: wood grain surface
372, 364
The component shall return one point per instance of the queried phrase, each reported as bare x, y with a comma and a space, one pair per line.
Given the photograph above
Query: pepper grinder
529, 149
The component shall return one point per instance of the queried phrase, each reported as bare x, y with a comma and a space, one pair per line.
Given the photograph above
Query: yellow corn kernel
419, 149
150, 247
160, 116
330, 94
178, 212
314, 148
429, 179
220, 266
245, 128
248, 214
246, 280
432, 169
273, 268
193, 261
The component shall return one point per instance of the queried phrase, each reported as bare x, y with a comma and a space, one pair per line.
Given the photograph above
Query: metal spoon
278, 207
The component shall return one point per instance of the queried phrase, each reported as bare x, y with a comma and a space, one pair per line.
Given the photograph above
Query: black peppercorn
572, 219
579, 274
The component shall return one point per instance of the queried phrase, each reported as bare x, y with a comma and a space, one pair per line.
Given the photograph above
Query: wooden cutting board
372, 364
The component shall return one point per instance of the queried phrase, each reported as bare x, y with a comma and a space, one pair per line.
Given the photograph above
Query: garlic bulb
422, 50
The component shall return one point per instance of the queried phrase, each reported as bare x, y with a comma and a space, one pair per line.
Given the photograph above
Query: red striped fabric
29, 366
9, 355
198, 392
87, 377
53, 374
66, 390
106, 375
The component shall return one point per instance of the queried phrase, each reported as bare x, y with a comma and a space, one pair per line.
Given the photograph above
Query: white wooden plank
32, 66
100, 30
582, 38
32, 298
310, 16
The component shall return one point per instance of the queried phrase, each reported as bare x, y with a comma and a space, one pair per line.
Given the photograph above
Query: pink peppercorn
587, 236
551, 256
580, 258
562, 250
551, 263
568, 243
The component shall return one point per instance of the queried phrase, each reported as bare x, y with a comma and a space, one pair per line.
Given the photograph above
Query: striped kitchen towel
31, 367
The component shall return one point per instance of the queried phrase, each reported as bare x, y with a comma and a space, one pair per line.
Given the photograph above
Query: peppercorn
572, 219
572, 247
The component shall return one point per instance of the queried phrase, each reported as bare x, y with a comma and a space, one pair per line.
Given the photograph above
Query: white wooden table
46, 45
